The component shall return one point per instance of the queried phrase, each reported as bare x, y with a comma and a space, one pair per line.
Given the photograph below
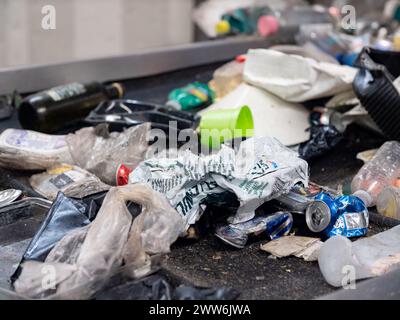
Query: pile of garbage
116, 199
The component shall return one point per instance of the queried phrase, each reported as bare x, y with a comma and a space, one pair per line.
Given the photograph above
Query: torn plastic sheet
364, 258
86, 258
262, 170
323, 138
101, 152
295, 78
72, 181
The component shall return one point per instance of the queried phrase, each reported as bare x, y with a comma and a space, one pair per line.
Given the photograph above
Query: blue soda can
275, 225
345, 215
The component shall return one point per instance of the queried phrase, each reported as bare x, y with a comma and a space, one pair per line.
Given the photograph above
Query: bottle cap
267, 25
174, 104
365, 197
222, 27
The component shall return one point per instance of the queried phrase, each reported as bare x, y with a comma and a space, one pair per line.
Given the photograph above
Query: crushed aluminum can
276, 225
8, 196
347, 215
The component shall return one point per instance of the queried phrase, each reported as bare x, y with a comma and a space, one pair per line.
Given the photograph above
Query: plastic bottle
228, 77
382, 170
388, 202
241, 21
194, 95
50, 110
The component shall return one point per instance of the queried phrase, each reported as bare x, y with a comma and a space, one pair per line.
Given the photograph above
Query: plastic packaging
217, 126
227, 77
261, 170
123, 113
388, 202
102, 153
364, 258
194, 95
30, 150
272, 116
72, 181
374, 86
86, 258
383, 169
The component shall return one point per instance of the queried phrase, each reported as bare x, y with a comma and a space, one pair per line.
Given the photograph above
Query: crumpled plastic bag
86, 258
339, 258
262, 170
295, 78
30, 150
101, 152
72, 181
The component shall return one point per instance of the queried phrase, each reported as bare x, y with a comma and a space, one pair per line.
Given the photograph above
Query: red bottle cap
122, 177
241, 58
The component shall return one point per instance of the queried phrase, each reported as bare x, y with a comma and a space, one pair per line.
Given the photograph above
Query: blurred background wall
90, 28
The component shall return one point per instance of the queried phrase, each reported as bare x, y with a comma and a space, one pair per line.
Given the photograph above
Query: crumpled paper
261, 170
86, 258
295, 78
302, 247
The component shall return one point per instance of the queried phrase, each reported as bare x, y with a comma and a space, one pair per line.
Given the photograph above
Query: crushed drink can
344, 215
276, 225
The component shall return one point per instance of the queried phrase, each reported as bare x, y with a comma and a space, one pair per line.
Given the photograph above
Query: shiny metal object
8, 196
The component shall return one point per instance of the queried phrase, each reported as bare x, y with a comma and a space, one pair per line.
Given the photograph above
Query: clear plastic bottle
228, 77
388, 202
382, 170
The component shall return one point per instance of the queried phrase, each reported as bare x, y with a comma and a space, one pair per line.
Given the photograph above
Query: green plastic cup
221, 125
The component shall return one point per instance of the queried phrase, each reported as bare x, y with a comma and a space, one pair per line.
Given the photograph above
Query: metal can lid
8, 196
318, 216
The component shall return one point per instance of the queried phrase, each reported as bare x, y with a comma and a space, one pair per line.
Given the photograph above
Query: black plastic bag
323, 138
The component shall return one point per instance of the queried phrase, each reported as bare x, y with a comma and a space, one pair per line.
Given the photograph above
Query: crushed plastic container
382, 170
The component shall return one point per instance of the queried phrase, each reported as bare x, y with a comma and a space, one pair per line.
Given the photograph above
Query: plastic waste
227, 77
388, 202
156, 287
294, 78
276, 225
383, 169
364, 258
102, 153
261, 170
323, 138
194, 95
123, 113
272, 116
72, 181
86, 258
8, 196
375, 88
30, 150
302, 247
217, 126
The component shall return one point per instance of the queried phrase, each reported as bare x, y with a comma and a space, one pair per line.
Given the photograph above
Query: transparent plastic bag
101, 152
85, 259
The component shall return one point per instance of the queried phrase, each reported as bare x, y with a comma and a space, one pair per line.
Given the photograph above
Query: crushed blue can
275, 225
345, 215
